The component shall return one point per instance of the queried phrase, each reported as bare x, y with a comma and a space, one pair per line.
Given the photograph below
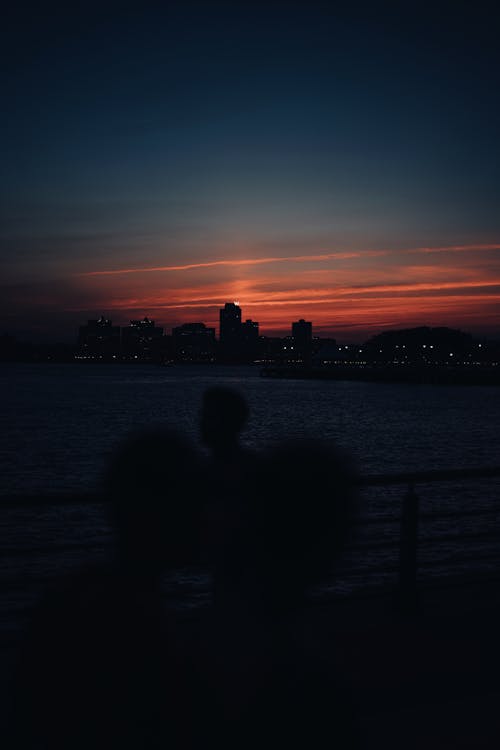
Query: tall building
302, 339
302, 332
249, 340
230, 324
239, 342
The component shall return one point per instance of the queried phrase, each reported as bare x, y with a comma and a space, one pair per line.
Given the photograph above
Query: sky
306, 162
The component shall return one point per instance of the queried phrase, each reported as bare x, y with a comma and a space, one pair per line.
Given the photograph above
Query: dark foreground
108, 658
429, 679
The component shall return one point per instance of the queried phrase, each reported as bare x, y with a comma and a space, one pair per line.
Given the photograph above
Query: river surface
61, 422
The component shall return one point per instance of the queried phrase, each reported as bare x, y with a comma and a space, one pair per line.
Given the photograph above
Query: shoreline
433, 375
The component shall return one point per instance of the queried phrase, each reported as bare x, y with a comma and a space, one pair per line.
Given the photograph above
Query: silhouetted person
104, 666
272, 689
153, 484
298, 504
224, 413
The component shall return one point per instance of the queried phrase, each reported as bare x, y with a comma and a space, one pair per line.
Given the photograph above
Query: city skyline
240, 341
343, 311
287, 330
337, 165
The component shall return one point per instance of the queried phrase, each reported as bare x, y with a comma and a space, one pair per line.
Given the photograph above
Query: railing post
407, 595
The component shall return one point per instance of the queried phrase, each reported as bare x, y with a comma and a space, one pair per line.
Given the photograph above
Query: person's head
223, 416
152, 483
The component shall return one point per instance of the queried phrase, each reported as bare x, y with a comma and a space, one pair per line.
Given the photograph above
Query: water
61, 422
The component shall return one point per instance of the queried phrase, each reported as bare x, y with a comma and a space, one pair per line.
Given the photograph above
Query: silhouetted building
99, 338
194, 342
142, 339
230, 332
302, 332
302, 339
422, 346
250, 330
239, 342
249, 340
288, 353
230, 323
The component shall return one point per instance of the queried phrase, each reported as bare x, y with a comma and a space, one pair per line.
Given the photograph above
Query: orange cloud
313, 258
240, 262
346, 290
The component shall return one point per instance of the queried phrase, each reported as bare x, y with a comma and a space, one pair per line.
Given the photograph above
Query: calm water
60, 423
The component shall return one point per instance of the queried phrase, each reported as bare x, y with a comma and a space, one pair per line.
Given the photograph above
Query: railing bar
434, 475
395, 519
462, 513
373, 520
432, 538
32, 551
364, 574
106, 546
457, 559
369, 520
369, 480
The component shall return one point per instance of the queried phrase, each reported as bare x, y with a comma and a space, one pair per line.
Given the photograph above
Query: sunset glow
314, 165
346, 293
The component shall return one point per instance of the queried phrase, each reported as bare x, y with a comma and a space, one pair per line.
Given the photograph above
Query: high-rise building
239, 342
230, 324
249, 340
302, 332
302, 339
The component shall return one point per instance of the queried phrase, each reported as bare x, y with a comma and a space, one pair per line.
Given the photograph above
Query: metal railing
407, 593
406, 540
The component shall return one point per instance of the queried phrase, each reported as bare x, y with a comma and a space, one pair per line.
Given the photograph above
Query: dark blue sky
213, 131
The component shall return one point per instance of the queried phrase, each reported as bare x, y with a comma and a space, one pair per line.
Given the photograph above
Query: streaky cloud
313, 258
253, 298
242, 262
